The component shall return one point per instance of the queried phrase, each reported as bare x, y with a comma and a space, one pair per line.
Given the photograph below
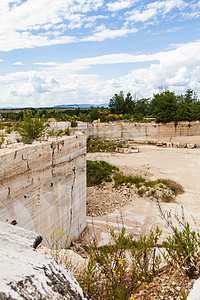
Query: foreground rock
195, 292
27, 274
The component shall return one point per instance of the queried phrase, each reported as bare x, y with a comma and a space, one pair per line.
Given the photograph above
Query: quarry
43, 185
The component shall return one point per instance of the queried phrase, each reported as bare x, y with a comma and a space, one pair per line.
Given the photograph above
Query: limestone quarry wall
44, 185
133, 131
142, 131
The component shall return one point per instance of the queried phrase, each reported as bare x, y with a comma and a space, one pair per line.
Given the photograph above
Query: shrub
67, 131
98, 172
111, 275
97, 145
9, 130
74, 123
31, 128
172, 185
120, 179
127, 265
182, 247
1, 141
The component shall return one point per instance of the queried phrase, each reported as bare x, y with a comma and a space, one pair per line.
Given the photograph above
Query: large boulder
28, 274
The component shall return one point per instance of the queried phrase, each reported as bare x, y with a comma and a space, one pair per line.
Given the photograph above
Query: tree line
164, 107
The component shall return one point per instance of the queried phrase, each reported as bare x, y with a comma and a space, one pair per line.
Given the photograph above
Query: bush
98, 172
74, 123
182, 244
31, 128
121, 179
172, 185
127, 265
1, 141
97, 145
117, 270
9, 130
67, 131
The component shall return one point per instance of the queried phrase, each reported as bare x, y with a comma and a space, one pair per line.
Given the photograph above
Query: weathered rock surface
27, 274
44, 185
195, 292
143, 131
140, 132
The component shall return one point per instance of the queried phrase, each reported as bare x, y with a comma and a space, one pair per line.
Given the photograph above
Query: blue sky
85, 51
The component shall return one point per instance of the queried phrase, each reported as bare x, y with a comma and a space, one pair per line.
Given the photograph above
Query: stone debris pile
178, 145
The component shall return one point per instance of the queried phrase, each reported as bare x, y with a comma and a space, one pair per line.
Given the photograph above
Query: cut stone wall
143, 131
44, 185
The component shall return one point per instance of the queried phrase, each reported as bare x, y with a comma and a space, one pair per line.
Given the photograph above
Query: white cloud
30, 23
142, 16
21, 22
153, 9
18, 63
50, 63
106, 33
178, 69
180, 78
118, 5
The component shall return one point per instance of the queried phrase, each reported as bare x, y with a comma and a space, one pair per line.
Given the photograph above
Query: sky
85, 51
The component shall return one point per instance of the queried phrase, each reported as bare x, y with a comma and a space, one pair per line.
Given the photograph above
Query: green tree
117, 104
120, 104
188, 109
142, 107
164, 107
31, 128
129, 104
94, 113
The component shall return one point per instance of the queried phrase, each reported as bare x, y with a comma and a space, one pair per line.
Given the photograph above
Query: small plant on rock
2, 139
74, 123
183, 246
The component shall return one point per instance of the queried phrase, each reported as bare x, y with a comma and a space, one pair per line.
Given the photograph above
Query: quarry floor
141, 214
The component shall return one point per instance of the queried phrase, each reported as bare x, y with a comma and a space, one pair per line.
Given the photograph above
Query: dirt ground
139, 214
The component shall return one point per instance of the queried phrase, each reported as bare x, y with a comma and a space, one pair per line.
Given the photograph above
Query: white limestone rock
27, 274
43, 185
195, 292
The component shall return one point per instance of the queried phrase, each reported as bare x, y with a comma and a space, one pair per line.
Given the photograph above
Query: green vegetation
31, 128
127, 265
97, 145
182, 245
98, 172
73, 123
1, 141
163, 107
172, 185
116, 278
120, 179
